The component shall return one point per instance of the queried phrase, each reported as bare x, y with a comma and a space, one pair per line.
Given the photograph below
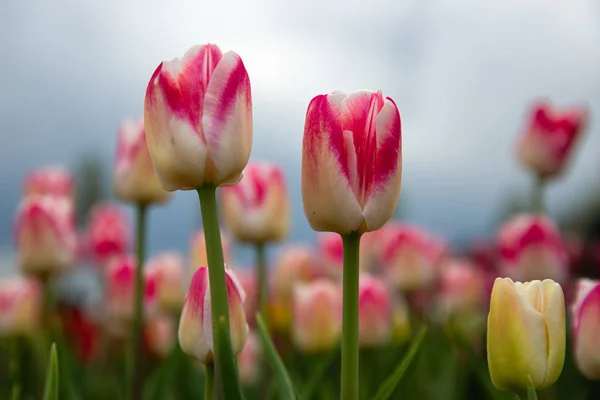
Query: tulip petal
554, 315
586, 335
227, 119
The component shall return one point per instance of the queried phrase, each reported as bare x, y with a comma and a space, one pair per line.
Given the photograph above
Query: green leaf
320, 373
284, 382
51, 388
389, 385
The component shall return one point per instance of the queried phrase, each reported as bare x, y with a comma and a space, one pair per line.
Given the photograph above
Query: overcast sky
461, 72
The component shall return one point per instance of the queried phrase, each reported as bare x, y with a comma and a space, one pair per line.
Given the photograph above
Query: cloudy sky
462, 73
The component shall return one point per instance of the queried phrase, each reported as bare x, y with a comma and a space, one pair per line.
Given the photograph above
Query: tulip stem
537, 195
138, 321
226, 375
261, 267
209, 382
349, 389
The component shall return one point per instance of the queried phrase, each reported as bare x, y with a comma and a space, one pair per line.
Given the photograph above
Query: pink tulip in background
249, 360
198, 119
159, 335
256, 210
134, 179
585, 314
531, 248
168, 271
351, 161
20, 307
375, 324
198, 249
50, 181
464, 287
108, 233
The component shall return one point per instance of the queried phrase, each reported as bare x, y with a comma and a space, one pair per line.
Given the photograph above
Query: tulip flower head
463, 287
531, 247
45, 235
50, 181
351, 161
134, 177
160, 336
375, 322
20, 307
198, 249
109, 233
294, 264
168, 272
249, 360
256, 210
317, 315
549, 139
198, 119
525, 334
586, 325
195, 326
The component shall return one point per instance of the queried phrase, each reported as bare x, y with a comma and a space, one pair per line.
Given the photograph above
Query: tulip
549, 139
371, 250
81, 331
248, 360
195, 326
160, 336
45, 235
374, 312
463, 287
412, 257
525, 334
247, 279
294, 264
317, 316
20, 307
256, 210
351, 161
198, 249
198, 119
108, 233
50, 181
530, 247
168, 272
331, 254
586, 325
134, 178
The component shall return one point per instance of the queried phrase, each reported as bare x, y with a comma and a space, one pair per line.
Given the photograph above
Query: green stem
349, 389
226, 375
138, 318
263, 290
15, 368
537, 195
209, 382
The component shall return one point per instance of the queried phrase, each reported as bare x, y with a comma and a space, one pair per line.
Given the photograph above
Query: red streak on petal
197, 292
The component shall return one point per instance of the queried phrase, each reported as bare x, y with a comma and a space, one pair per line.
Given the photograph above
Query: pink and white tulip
108, 233
198, 249
464, 287
351, 161
247, 279
549, 138
317, 315
249, 360
50, 181
198, 119
168, 271
195, 326
159, 334
531, 248
45, 235
256, 210
134, 178
375, 324
412, 257
20, 307
294, 264
586, 325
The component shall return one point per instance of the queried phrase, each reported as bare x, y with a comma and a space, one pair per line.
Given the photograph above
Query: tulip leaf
285, 386
320, 373
51, 387
391, 383
531, 393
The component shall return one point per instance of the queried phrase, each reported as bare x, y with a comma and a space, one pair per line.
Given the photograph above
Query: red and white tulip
256, 210
464, 287
375, 324
351, 161
134, 178
159, 334
50, 181
108, 233
168, 271
198, 119
586, 325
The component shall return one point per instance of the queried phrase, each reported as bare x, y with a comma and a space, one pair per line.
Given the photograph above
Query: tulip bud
108, 233
374, 312
549, 139
249, 360
195, 326
50, 181
198, 249
317, 314
45, 235
120, 289
20, 307
351, 161
168, 272
530, 247
525, 334
198, 119
586, 325
134, 177
160, 336
256, 210
412, 257
463, 287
